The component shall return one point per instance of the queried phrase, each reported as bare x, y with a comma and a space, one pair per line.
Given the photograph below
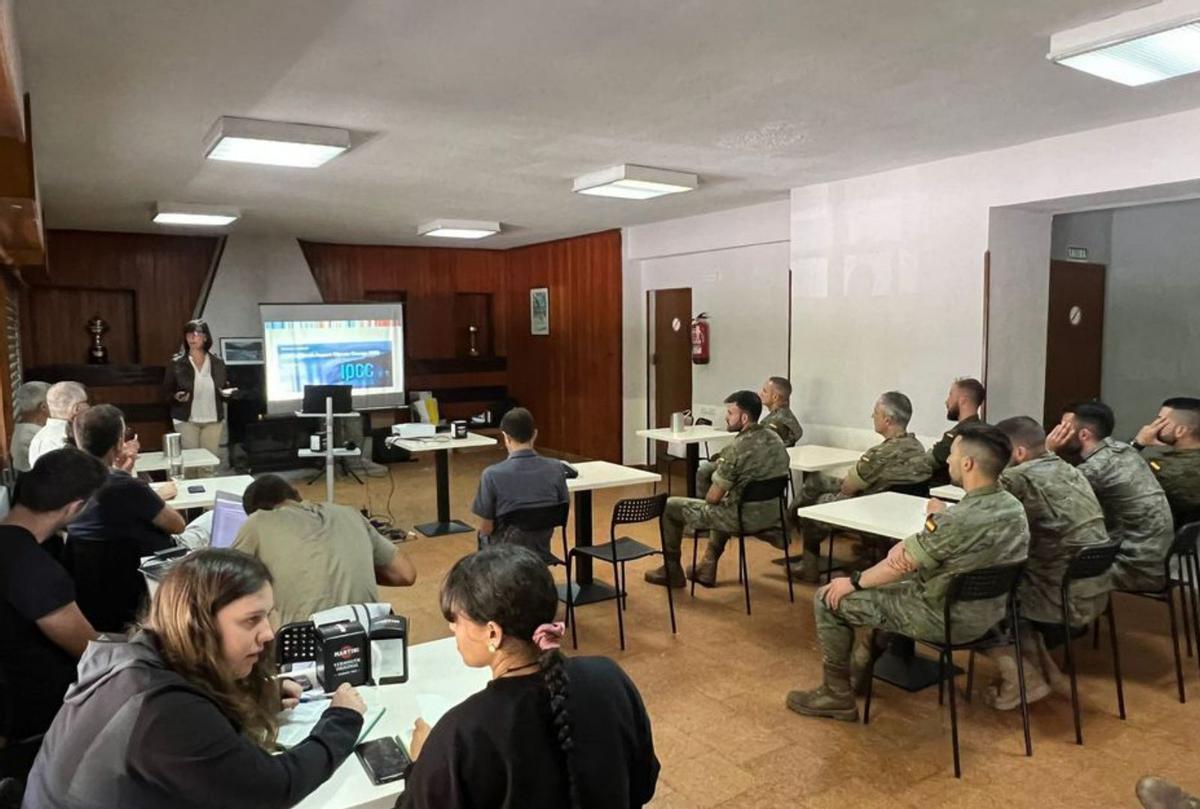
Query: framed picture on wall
242, 350
539, 311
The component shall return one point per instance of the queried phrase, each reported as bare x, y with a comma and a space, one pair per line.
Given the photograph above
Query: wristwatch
854, 577
1139, 447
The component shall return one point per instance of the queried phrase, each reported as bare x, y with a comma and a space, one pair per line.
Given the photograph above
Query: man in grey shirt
29, 404
523, 480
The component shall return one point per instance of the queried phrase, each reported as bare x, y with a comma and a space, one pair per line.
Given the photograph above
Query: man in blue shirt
523, 480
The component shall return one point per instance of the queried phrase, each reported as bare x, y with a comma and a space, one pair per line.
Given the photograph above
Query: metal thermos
173, 449
677, 422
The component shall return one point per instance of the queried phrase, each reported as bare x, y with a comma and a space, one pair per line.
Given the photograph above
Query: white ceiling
483, 109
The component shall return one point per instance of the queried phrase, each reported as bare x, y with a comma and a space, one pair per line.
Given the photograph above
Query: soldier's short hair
1095, 415
896, 406
988, 445
747, 401
973, 388
1023, 431
1186, 412
782, 386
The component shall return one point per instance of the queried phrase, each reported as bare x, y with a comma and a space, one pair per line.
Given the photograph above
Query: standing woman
196, 384
548, 732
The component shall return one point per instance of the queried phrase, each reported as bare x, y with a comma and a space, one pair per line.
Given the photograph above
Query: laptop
228, 516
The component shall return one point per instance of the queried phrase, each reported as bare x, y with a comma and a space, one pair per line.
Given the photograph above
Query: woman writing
184, 713
548, 732
196, 383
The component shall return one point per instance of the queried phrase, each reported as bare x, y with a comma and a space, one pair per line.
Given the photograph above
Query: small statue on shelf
97, 352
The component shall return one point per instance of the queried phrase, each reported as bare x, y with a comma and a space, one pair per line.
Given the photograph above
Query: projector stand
331, 453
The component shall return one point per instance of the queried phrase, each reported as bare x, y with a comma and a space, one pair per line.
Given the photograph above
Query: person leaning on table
548, 732
184, 713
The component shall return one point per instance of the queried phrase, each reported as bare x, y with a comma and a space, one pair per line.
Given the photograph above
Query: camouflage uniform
987, 528
1178, 472
1136, 512
939, 454
755, 454
1064, 516
781, 420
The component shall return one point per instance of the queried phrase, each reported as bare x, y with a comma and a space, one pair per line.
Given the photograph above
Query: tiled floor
716, 690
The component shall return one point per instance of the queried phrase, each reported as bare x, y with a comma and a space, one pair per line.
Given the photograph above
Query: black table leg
693, 466
586, 589
444, 525
901, 666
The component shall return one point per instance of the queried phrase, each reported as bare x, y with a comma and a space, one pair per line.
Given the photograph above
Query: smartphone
385, 760
197, 489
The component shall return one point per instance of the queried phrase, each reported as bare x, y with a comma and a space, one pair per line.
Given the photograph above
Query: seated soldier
1136, 511
962, 407
898, 459
755, 454
1064, 517
1177, 432
906, 592
522, 480
776, 396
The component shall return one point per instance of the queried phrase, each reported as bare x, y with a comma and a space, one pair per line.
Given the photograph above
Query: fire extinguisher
700, 339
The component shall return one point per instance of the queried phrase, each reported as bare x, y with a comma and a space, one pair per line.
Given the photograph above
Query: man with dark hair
1177, 432
522, 480
906, 592
321, 555
1064, 517
962, 407
897, 460
775, 397
757, 453
1136, 511
42, 631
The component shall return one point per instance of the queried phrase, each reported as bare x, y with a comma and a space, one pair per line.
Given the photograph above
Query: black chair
1089, 563
1183, 549
12, 790
537, 520
977, 585
297, 642
109, 587
619, 550
757, 491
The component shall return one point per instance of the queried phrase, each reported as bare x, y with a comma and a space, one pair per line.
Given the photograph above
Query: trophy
97, 352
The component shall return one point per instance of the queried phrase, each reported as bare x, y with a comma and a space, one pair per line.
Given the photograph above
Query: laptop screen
228, 516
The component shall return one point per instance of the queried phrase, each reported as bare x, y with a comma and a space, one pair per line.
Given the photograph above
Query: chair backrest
296, 642
537, 518
1091, 562
757, 491
638, 509
985, 583
1185, 539
920, 489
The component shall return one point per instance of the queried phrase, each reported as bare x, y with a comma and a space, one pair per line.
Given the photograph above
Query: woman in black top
197, 387
548, 732
184, 714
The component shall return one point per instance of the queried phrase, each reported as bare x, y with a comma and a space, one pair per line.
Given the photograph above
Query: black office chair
297, 642
978, 585
619, 550
1183, 549
756, 491
535, 521
109, 587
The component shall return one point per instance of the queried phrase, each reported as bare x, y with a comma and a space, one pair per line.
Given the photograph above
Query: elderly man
755, 454
1176, 431
64, 400
29, 404
962, 407
906, 592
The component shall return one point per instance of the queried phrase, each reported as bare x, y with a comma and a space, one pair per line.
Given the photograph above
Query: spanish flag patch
930, 525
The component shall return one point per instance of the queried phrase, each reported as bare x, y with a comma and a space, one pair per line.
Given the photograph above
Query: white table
441, 445
691, 437
948, 492
157, 461
435, 670
234, 484
817, 458
595, 475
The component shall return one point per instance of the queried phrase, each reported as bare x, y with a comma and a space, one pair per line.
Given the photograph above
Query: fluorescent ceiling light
179, 213
459, 229
245, 140
634, 182
1137, 47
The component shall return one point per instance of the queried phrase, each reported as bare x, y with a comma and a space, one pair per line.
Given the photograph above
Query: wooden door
1074, 336
671, 353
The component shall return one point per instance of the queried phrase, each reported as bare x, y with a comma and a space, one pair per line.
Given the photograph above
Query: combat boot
1060, 683
670, 574
808, 569
832, 699
1007, 695
705, 573
1158, 793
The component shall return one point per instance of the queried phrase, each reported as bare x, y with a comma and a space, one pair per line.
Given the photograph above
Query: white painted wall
254, 270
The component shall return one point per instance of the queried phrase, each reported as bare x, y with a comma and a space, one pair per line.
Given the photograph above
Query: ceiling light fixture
459, 229
180, 213
1136, 47
245, 140
634, 182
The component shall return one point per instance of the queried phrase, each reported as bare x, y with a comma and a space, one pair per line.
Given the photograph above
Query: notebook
296, 724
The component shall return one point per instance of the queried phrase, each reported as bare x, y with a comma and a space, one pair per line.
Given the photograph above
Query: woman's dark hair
509, 585
196, 326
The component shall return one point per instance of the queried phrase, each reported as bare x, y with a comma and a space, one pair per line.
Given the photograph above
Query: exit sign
1077, 254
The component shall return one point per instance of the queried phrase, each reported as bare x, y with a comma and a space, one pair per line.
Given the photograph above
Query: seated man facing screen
898, 459
1136, 511
63, 400
755, 454
522, 480
906, 592
29, 405
962, 407
776, 396
320, 555
1176, 431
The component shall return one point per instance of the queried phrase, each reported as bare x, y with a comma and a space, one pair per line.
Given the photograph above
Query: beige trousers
196, 436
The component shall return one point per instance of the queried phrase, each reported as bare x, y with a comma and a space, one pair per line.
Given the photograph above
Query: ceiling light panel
634, 182
188, 215
459, 229
1139, 47
245, 140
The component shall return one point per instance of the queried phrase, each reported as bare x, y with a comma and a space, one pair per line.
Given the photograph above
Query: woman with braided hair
548, 731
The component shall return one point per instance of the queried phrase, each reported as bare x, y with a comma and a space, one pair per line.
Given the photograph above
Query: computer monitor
228, 516
315, 396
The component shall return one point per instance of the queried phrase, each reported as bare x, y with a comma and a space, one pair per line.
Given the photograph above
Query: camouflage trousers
1127, 576
683, 513
1041, 601
818, 488
891, 609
